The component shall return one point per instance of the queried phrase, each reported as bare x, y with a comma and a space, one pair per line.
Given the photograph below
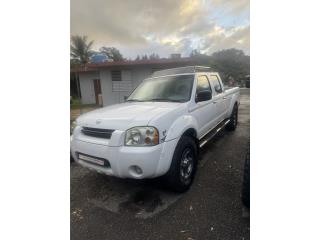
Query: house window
121, 81
116, 75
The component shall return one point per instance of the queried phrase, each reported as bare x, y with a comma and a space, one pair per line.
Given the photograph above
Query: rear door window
215, 83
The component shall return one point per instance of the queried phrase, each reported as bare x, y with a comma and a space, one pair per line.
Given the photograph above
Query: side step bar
213, 132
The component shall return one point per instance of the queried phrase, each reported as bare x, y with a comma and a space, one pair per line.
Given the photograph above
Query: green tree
112, 53
231, 63
80, 50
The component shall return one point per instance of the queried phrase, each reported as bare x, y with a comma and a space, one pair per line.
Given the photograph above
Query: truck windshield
164, 89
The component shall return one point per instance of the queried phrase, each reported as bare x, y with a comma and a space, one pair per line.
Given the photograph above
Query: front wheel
232, 125
183, 166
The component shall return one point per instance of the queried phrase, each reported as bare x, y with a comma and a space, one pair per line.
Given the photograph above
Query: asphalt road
103, 207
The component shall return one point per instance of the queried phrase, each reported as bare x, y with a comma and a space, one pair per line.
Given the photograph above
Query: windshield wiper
134, 100
163, 100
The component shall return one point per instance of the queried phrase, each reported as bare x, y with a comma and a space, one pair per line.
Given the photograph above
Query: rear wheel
232, 125
246, 180
183, 166
71, 158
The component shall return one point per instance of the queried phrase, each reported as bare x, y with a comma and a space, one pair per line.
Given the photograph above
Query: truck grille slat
97, 132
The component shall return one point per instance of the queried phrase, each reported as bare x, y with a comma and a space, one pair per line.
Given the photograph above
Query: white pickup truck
159, 130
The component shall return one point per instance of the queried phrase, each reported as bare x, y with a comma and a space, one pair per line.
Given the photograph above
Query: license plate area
93, 160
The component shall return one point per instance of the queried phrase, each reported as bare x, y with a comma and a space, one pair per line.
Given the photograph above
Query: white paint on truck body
171, 119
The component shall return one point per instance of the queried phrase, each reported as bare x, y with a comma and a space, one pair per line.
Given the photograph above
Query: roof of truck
181, 70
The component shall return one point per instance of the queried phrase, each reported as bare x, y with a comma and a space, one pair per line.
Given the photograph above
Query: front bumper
153, 161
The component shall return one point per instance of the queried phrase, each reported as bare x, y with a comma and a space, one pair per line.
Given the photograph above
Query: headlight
73, 126
142, 136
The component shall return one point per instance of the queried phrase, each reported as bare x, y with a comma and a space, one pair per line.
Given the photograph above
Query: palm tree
81, 49
80, 52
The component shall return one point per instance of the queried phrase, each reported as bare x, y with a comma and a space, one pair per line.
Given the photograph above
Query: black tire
246, 181
71, 158
179, 178
232, 125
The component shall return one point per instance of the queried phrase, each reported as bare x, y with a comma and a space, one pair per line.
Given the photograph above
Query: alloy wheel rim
186, 166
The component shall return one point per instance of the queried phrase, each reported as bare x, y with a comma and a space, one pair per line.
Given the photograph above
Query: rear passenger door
204, 111
218, 98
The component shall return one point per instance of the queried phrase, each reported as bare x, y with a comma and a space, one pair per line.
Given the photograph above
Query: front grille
97, 132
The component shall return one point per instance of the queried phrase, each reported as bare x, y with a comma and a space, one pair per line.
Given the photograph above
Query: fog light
138, 170
135, 170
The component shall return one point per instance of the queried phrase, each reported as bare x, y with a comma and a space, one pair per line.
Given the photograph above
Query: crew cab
160, 128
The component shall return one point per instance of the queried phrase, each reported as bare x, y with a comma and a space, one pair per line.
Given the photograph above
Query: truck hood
126, 115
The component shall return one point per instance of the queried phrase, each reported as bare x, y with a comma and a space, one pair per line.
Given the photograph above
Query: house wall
87, 87
130, 77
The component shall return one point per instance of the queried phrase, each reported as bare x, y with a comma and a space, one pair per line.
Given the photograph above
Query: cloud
166, 26
128, 21
220, 38
232, 6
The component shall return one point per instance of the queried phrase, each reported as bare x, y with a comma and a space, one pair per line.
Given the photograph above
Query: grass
76, 104
82, 106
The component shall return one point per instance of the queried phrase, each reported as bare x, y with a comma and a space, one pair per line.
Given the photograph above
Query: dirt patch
141, 201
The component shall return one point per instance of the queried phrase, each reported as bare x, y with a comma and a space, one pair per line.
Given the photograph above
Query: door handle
224, 98
214, 102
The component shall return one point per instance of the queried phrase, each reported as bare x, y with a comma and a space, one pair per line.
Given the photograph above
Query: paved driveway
108, 208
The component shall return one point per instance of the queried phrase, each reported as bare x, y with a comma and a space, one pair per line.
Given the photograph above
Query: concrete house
114, 81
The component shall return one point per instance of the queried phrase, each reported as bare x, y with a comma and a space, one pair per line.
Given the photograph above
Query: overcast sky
163, 26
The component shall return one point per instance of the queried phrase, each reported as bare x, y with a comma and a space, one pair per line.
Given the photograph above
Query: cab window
215, 83
203, 84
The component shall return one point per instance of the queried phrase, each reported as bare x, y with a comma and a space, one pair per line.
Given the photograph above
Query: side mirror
218, 89
204, 95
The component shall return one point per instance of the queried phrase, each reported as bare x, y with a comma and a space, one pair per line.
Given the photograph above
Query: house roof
163, 61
